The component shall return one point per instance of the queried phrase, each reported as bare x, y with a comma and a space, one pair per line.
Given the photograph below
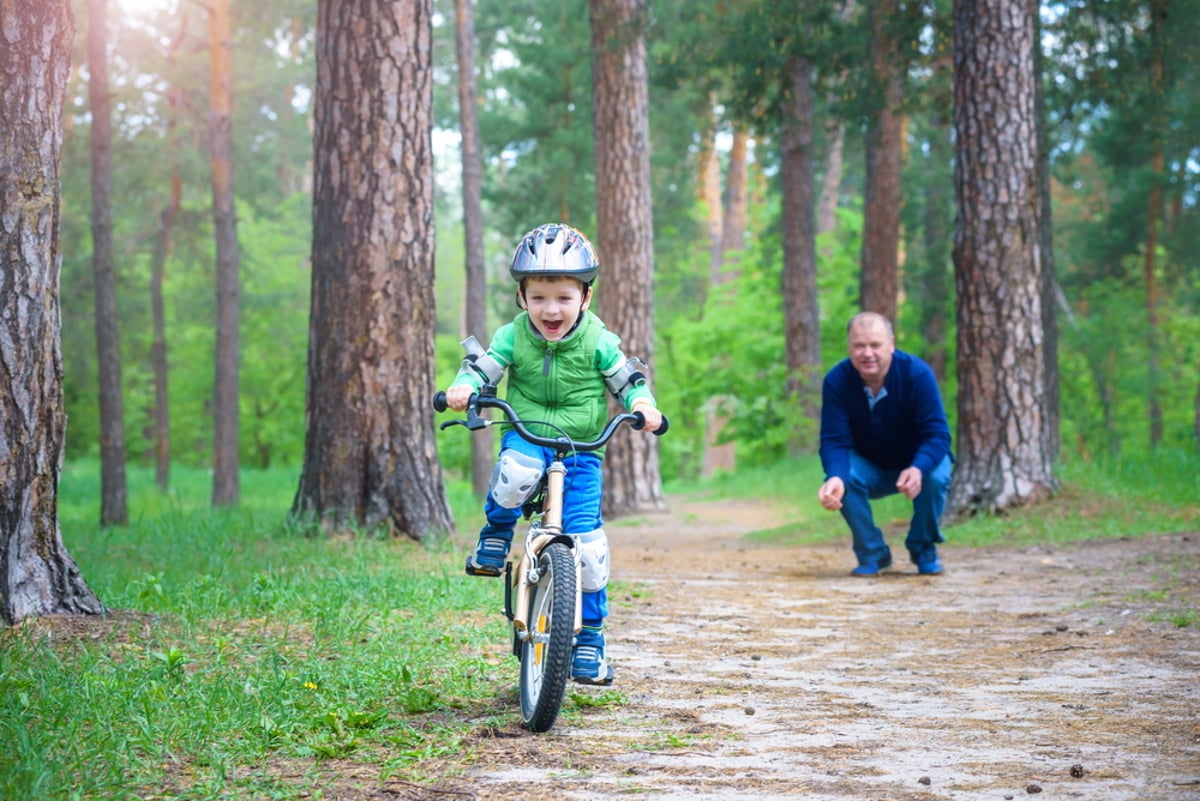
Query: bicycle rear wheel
546, 655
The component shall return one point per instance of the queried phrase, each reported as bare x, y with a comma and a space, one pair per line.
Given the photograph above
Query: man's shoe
489, 557
588, 665
930, 567
868, 569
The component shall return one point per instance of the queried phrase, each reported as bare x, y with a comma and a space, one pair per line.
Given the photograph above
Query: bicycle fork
539, 535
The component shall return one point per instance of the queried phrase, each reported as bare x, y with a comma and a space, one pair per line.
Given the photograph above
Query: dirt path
766, 672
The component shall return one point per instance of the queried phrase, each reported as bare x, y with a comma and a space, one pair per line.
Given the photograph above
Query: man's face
554, 305
871, 349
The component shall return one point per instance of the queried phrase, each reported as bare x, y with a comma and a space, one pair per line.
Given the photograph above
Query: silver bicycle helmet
555, 249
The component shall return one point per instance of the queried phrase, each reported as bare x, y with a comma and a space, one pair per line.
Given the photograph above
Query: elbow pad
480, 363
626, 377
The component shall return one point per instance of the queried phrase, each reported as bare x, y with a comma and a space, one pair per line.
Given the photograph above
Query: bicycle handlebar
474, 422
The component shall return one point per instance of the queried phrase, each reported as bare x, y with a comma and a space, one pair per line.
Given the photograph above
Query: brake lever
474, 422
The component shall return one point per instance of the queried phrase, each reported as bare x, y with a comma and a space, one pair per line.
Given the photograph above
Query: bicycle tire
546, 656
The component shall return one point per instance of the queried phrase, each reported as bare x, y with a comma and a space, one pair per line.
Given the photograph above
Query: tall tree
114, 506
37, 575
475, 301
733, 223
801, 320
158, 262
1050, 289
1003, 461
369, 455
625, 230
882, 199
220, 139
835, 137
1154, 212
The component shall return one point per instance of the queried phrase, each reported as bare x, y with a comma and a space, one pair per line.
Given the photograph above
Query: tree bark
881, 203
718, 456
835, 135
625, 232
1053, 412
1003, 460
114, 506
475, 302
801, 320
733, 225
1154, 213
831, 181
937, 242
220, 135
37, 575
710, 194
370, 457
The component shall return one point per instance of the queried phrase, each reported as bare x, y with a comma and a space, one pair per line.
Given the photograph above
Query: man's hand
831, 493
909, 482
653, 416
458, 396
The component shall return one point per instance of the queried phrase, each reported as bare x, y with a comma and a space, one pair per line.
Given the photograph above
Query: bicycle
546, 610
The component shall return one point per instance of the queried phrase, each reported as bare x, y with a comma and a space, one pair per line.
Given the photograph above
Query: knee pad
593, 547
514, 478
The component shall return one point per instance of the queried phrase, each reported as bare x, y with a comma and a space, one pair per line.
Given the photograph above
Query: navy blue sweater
907, 427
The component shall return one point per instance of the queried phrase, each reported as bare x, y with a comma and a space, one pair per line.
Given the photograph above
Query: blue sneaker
588, 665
867, 569
930, 567
927, 562
490, 553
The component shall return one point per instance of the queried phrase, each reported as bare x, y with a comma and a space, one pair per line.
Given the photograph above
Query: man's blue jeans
869, 482
581, 508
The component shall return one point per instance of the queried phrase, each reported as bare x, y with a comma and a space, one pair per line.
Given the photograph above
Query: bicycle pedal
489, 572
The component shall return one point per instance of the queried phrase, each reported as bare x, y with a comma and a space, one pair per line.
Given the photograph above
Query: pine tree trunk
220, 132
1051, 419
475, 302
937, 242
370, 458
158, 264
37, 575
802, 326
625, 232
114, 506
158, 347
710, 195
1154, 212
733, 225
1003, 461
882, 200
831, 180
835, 136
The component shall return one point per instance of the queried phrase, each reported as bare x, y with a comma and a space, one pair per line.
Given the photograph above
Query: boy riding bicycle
561, 361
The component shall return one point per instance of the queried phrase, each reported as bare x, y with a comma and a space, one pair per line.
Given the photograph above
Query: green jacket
561, 383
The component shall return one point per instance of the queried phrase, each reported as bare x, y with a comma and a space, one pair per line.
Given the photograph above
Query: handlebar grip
439, 401
662, 427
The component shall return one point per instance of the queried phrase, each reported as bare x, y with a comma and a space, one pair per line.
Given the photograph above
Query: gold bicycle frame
545, 531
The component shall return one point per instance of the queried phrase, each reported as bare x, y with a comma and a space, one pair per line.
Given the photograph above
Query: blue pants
868, 482
581, 508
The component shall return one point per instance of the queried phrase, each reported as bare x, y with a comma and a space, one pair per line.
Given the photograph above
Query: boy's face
554, 304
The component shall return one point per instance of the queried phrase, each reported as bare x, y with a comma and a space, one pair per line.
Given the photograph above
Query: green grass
1096, 501
236, 645
242, 657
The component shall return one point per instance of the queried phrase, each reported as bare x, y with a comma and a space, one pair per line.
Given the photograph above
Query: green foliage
729, 361
1106, 383
708, 67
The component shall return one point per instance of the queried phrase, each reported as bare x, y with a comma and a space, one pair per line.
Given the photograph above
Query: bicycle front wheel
546, 654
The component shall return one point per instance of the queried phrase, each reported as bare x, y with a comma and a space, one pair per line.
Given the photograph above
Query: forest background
1117, 130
